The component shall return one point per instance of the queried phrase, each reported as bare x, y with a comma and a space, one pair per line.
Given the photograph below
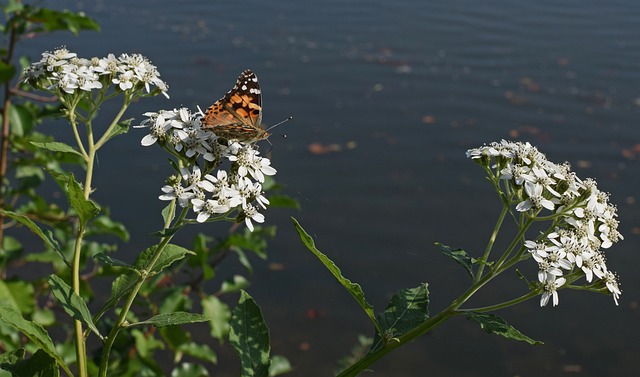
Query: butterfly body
238, 115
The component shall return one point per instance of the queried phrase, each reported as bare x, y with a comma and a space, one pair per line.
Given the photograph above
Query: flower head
63, 72
219, 177
584, 220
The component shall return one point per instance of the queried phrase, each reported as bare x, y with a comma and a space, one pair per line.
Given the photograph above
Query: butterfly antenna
279, 123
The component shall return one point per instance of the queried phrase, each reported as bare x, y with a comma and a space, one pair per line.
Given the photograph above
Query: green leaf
249, 336
105, 225
85, 208
167, 232
219, 313
174, 337
353, 288
36, 333
7, 71
121, 286
60, 178
236, 283
119, 129
18, 294
170, 254
45, 235
283, 201
56, 146
107, 260
169, 213
73, 304
11, 357
408, 308
52, 20
493, 324
279, 365
458, 255
200, 351
146, 344
38, 365
21, 119
189, 370
170, 319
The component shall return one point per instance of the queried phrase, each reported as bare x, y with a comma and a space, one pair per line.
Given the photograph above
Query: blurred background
386, 97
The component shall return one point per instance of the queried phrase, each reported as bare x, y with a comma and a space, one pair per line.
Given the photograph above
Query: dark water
403, 89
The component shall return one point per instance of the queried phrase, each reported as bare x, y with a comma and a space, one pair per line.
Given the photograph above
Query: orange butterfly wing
238, 115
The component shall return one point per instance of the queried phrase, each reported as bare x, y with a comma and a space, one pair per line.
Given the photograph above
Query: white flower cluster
67, 72
584, 220
209, 194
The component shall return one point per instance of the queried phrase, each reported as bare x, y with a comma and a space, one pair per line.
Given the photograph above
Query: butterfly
238, 115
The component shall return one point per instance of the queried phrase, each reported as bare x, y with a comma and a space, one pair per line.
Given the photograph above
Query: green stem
74, 126
372, 357
120, 322
114, 123
81, 354
492, 240
506, 304
447, 313
517, 239
81, 350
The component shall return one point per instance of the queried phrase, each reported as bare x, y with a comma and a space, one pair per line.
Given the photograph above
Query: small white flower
251, 213
177, 191
550, 290
536, 200
612, 285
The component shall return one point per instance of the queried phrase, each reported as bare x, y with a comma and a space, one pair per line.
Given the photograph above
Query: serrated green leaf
458, 255
493, 324
36, 333
44, 234
171, 319
73, 304
408, 308
249, 336
56, 146
219, 313
170, 254
353, 288
85, 208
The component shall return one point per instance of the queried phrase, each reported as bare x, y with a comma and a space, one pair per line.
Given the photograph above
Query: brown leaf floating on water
428, 119
531, 85
319, 148
631, 153
515, 99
